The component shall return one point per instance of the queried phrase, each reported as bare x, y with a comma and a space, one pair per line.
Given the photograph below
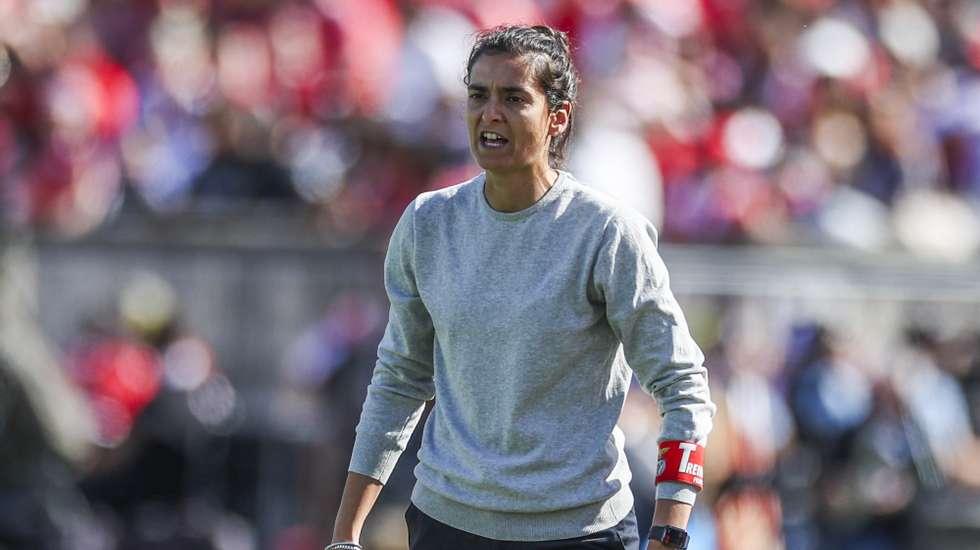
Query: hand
656, 545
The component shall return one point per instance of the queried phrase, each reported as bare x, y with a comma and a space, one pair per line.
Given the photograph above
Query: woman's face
507, 114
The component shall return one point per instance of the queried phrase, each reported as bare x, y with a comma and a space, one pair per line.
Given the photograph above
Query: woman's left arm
641, 309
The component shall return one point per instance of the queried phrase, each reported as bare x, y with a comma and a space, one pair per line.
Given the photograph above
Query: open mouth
492, 140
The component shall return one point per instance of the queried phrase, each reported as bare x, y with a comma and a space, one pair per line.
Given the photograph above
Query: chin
495, 165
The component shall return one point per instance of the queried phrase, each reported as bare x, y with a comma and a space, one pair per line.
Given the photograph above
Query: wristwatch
671, 537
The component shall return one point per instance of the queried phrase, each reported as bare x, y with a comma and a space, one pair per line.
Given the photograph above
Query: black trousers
425, 533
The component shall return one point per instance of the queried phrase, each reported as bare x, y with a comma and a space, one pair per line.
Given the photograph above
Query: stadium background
195, 198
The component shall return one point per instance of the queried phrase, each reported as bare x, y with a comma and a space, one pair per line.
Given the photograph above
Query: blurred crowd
773, 121
856, 430
819, 122
136, 432
842, 424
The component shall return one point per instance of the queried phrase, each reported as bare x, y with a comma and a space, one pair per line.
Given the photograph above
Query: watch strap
669, 536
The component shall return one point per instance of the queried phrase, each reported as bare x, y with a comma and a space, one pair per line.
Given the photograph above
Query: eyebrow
508, 89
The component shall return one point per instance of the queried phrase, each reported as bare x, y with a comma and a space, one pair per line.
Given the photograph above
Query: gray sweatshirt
524, 327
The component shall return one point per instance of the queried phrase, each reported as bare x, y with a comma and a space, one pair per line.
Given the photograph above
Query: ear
559, 118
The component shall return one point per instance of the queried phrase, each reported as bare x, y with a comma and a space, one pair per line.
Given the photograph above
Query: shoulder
429, 202
616, 216
430, 212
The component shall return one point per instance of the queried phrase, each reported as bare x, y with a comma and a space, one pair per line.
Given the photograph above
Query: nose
492, 111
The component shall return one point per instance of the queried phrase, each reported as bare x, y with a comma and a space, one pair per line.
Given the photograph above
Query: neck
513, 192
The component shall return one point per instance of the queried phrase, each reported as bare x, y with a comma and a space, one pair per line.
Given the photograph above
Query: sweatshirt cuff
374, 457
681, 492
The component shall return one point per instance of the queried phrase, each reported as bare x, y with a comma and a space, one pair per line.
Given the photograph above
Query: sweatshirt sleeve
632, 280
402, 379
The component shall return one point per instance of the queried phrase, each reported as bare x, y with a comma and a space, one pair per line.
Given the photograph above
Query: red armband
681, 461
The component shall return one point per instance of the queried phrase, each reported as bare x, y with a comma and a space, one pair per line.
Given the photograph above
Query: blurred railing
819, 273
286, 241
249, 284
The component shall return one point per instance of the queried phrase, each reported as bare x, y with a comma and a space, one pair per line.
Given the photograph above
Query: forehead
503, 70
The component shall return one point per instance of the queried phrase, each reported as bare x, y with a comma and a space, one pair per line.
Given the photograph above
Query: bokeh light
753, 138
937, 225
214, 402
438, 33
318, 160
187, 363
120, 378
147, 303
74, 102
181, 44
244, 69
840, 139
297, 46
676, 19
836, 48
51, 12
854, 219
909, 33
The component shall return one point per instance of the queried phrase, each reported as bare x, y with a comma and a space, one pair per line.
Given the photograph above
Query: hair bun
557, 35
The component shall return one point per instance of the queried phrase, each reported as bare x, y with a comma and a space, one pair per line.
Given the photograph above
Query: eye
515, 99
476, 95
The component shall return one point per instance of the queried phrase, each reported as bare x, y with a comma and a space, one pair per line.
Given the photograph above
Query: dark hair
552, 65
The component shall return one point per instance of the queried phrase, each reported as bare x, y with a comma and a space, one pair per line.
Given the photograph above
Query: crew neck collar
549, 196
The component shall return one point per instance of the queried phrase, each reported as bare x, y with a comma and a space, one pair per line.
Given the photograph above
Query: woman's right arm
360, 494
401, 384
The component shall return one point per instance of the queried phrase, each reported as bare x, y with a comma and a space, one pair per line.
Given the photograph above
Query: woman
515, 298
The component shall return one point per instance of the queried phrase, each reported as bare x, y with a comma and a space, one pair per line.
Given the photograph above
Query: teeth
492, 135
